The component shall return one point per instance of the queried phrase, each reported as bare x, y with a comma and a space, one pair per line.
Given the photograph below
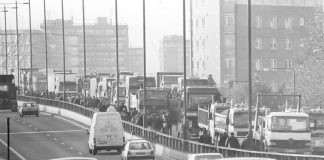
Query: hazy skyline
163, 17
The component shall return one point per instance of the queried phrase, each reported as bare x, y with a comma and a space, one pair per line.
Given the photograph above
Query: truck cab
285, 132
317, 130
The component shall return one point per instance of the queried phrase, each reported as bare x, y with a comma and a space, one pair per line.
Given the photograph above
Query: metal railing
169, 141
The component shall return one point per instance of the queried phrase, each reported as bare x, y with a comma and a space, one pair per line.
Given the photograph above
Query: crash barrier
169, 141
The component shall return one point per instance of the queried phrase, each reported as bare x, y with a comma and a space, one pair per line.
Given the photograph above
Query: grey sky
163, 17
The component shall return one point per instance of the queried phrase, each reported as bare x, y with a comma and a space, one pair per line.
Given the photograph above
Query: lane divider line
13, 150
69, 121
64, 131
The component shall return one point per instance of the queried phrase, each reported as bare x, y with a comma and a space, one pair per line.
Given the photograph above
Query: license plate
291, 151
140, 153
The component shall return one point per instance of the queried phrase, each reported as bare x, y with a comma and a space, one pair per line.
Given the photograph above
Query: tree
309, 72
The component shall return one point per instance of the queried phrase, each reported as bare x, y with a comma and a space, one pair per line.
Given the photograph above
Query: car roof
30, 102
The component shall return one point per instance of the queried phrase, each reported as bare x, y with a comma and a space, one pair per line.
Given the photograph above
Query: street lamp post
144, 54
46, 60
17, 45
6, 45
117, 53
185, 128
84, 54
31, 52
63, 46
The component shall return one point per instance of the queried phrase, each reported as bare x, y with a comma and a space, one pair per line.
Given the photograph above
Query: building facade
136, 59
171, 54
100, 46
220, 38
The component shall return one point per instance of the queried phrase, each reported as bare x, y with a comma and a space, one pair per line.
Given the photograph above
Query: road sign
86, 85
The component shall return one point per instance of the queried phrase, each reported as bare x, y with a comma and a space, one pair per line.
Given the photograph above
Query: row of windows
273, 43
273, 64
274, 22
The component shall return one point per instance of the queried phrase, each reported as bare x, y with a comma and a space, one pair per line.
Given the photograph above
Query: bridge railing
169, 141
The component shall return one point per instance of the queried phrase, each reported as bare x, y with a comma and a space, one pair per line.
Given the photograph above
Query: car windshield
281, 123
199, 99
139, 146
208, 157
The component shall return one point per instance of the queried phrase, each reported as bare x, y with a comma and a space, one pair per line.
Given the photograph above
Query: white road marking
62, 143
48, 135
80, 153
13, 150
55, 139
29, 125
64, 131
72, 122
71, 148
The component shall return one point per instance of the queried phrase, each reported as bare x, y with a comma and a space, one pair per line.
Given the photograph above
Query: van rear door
109, 130
116, 131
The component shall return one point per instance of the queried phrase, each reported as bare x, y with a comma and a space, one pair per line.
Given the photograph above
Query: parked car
28, 108
138, 149
205, 156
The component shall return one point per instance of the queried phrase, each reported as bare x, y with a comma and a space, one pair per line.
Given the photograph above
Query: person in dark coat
222, 140
232, 142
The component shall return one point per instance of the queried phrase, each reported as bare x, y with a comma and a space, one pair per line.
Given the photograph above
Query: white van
106, 131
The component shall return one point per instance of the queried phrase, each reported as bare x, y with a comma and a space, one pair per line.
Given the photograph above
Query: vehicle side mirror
86, 131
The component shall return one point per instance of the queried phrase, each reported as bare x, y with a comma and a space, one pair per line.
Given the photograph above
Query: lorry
196, 96
133, 84
161, 80
56, 82
157, 104
317, 129
8, 99
224, 118
284, 132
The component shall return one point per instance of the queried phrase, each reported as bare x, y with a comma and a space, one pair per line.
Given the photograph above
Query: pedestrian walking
232, 142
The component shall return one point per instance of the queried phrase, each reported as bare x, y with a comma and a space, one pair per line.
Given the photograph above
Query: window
229, 67
258, 43
203, 22
273, 22
258, 21
203, 43
229, 20
288, 23
197, 23
288, 63
258, 65
288, 44
274, 86
274, 63
229, 41
301, 21
273, 43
